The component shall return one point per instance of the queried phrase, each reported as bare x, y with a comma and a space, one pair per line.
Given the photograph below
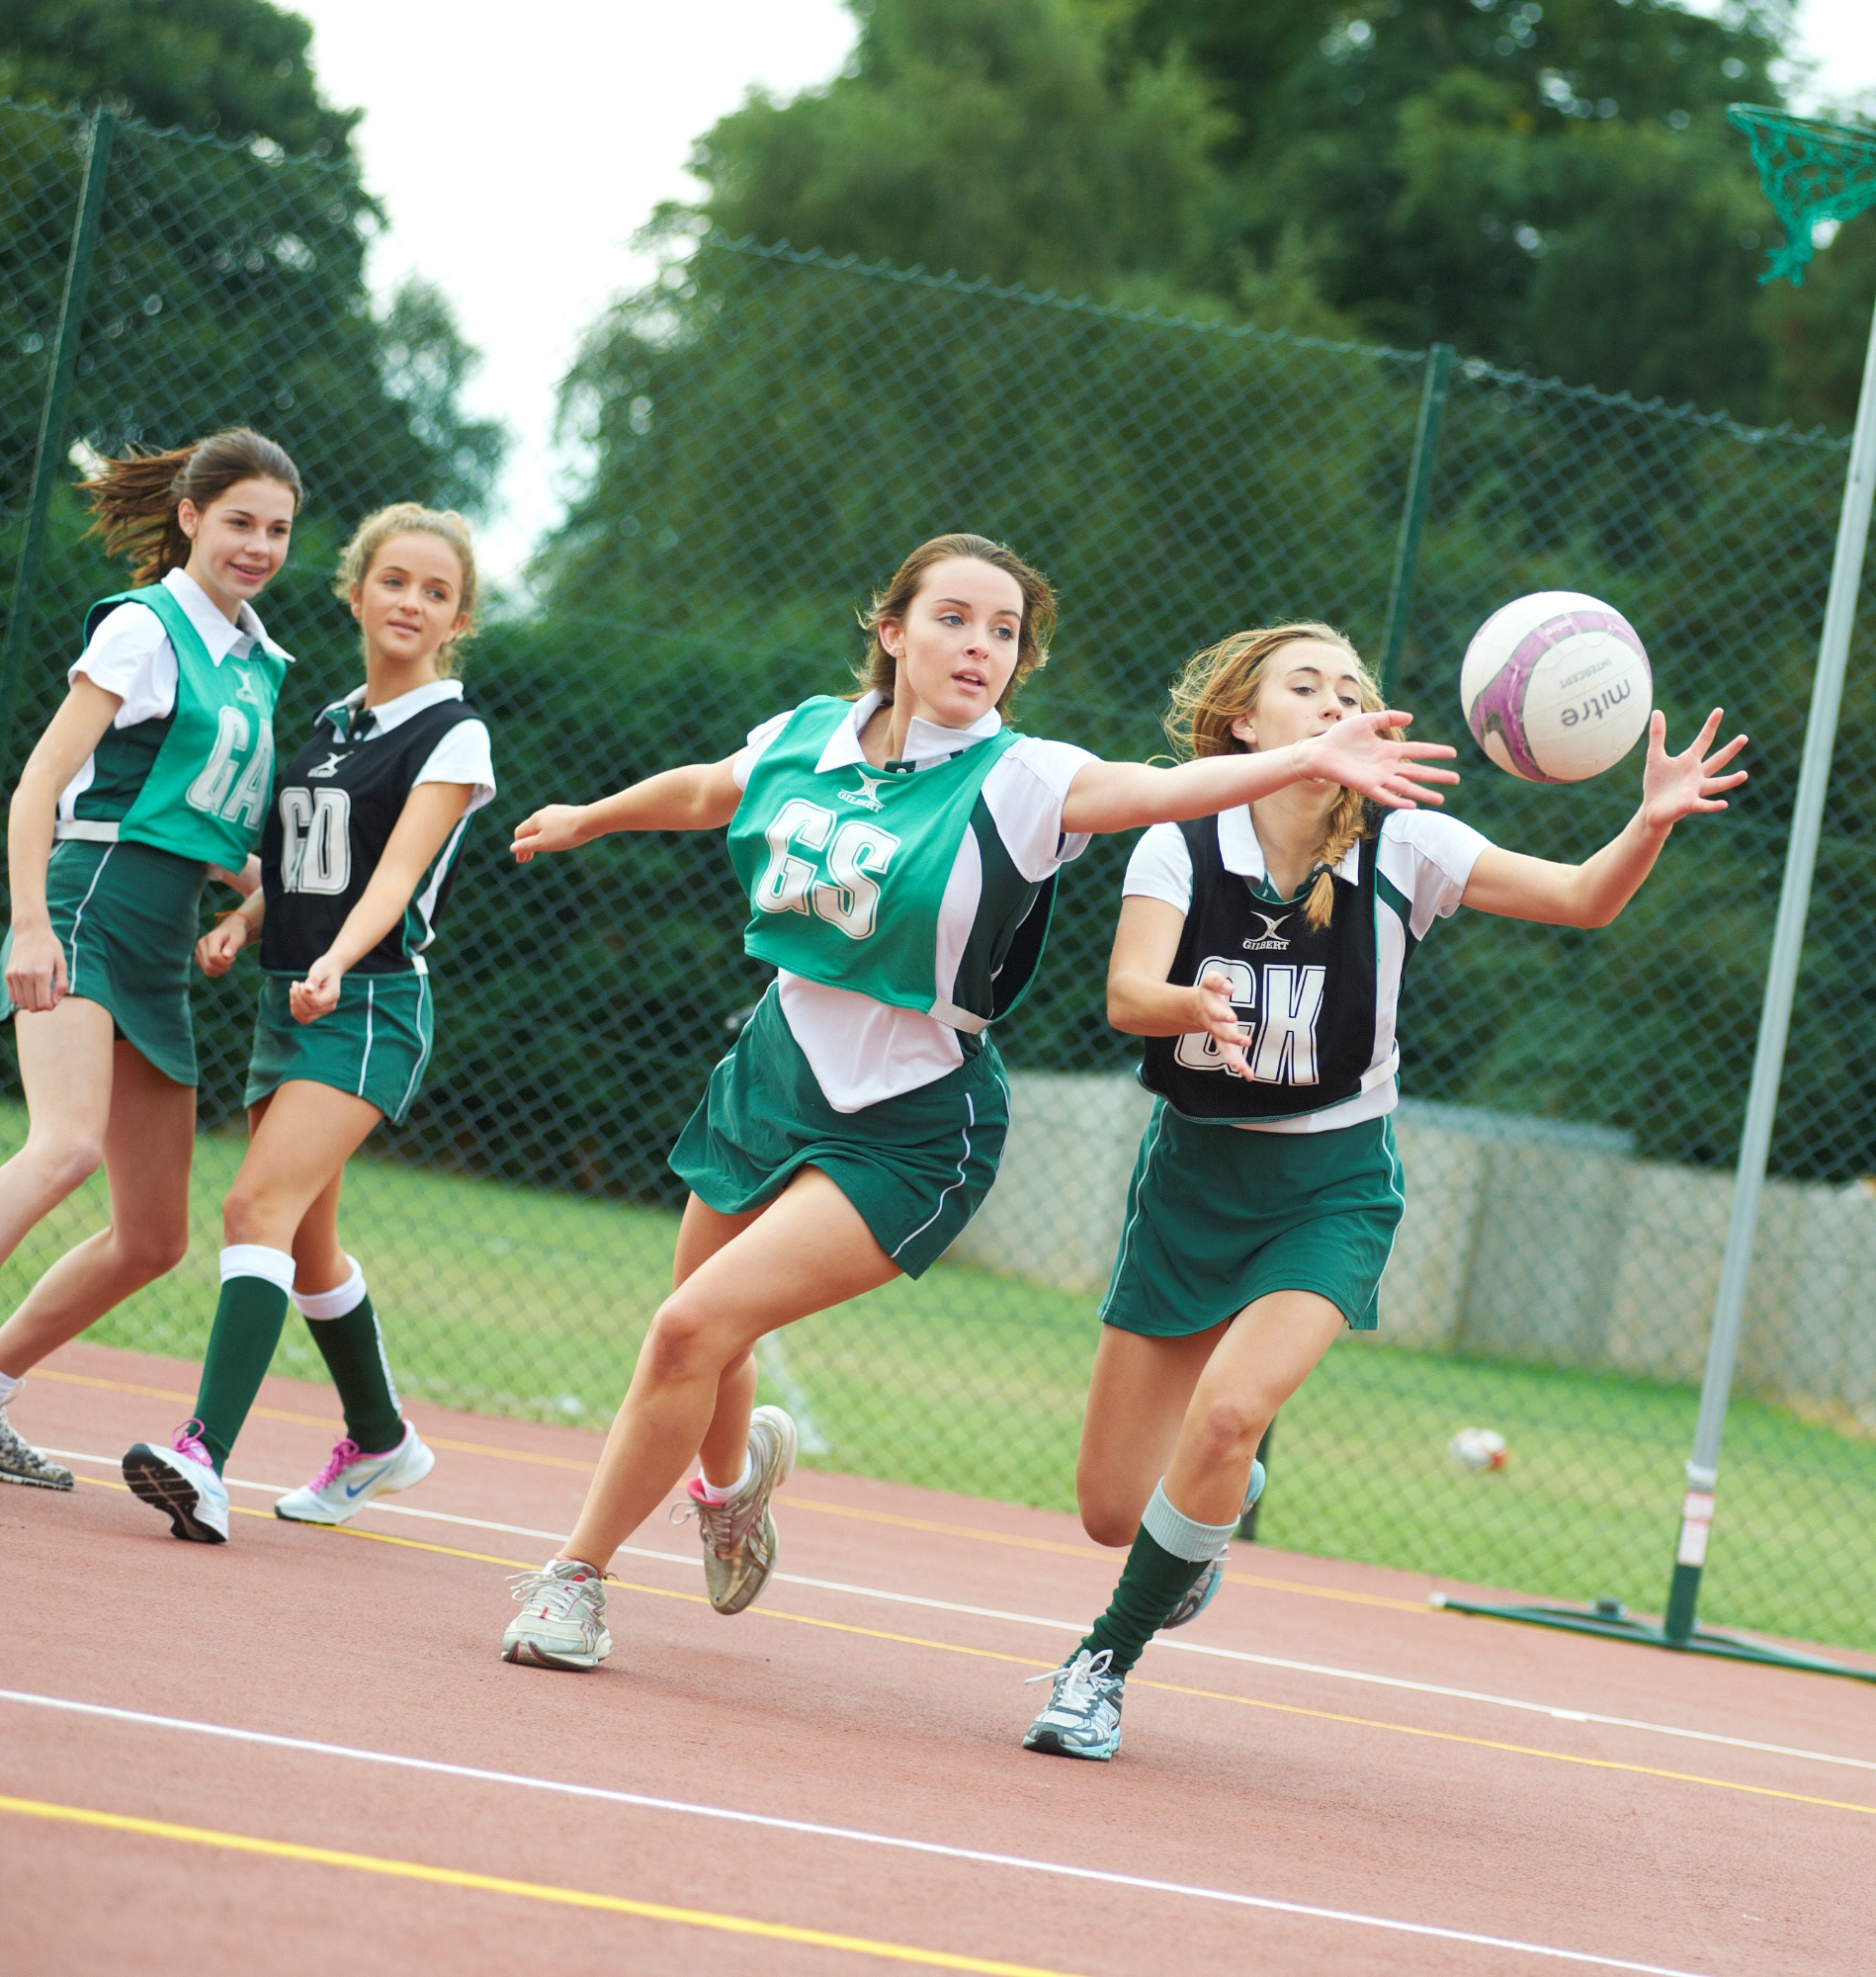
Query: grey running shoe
562, 1619
20, 1462
1083, 1717
739, 1543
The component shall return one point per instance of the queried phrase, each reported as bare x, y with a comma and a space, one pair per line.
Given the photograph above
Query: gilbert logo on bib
855, 901
866, 795
1269, 939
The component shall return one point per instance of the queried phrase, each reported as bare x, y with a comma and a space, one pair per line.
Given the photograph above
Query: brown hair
135, 499
1221, 685
881, 670
411, 518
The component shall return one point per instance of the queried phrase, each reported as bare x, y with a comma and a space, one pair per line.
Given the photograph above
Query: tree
236, 68
992, 137
1550, 186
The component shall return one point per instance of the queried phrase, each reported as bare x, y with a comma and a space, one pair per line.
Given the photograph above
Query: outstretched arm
1591, 893
702, 797
1118, 796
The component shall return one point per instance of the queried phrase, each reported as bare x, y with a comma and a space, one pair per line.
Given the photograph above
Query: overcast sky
516, 162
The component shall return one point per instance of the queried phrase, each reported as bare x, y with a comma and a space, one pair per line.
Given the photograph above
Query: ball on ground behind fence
1479, 1449
1556, 687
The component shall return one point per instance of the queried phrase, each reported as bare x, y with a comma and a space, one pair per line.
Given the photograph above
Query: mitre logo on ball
1556, 687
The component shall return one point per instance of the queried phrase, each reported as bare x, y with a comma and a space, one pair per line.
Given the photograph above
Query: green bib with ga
196, 782
846, 868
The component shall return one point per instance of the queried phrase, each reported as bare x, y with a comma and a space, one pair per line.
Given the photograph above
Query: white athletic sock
1185, 1537
9, 1386
256, 1259
334, 1303
711, 1495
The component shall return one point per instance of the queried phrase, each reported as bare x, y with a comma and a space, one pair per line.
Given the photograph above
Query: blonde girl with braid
1260, 954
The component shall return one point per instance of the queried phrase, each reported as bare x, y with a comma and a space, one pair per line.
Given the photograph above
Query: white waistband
92, 832
955, 1018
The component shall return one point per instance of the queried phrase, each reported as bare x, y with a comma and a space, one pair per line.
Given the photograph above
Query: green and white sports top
890, 900
187, 764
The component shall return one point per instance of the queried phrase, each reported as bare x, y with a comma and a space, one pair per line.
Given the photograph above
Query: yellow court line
536, 1891
789, 1501
328, 1421
1136, 1681
794, 1503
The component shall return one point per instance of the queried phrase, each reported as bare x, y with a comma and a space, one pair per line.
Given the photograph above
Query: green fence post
1407, 548
51, 454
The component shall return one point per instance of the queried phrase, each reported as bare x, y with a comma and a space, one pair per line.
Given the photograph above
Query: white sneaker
180, 1481
562, 1619
351, 1479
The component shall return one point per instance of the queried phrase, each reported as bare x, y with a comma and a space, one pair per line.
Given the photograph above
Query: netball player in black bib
1260, 954
357, 857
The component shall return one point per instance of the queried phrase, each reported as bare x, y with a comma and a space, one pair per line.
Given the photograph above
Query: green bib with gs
196, 780
846, 871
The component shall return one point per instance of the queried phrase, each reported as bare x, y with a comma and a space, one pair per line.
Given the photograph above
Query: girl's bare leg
91, 1099
806, 1251
1136, 1400
302, 1135
1266, 1353
726, 1445
319, 1262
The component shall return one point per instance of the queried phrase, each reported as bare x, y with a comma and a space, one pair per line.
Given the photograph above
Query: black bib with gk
1305, 995
336, 805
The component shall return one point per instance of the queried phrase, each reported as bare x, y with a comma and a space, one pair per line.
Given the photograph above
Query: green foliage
1551, 187
987, 136
236, 68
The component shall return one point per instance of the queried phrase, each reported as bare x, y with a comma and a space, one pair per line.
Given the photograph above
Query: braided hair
1222, 684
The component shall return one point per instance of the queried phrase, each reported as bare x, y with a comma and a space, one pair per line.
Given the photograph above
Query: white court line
852, 1835
1077, 1627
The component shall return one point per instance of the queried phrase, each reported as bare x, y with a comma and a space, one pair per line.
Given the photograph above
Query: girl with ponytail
1260, 954
154, 776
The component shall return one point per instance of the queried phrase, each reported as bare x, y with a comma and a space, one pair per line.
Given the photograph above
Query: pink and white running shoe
351, 1479
180, 1481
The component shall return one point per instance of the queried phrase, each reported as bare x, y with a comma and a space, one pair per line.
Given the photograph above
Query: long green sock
354, 1351
1154, 1579
247, 1325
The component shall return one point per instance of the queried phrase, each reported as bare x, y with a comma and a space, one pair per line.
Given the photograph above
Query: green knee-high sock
344, 1327
1170, 1552
247, 1325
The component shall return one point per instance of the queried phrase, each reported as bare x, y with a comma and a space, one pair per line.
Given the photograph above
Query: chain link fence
769, 433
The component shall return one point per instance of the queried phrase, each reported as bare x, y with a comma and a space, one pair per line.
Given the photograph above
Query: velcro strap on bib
955, 1018
90, 831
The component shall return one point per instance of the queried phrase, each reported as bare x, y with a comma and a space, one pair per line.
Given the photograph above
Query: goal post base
1608, 1620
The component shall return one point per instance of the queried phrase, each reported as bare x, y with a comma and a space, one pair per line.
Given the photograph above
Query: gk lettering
1279, 1042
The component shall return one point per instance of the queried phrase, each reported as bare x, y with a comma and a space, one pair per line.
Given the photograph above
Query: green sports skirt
376, 1044
1218, 1216
126, 915
917, 1167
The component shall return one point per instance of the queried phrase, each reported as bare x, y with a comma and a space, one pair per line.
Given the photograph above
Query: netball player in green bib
357, 860
154, 775
898, 849
1260, 953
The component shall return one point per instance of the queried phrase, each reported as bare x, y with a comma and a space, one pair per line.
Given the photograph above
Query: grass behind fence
509, 1301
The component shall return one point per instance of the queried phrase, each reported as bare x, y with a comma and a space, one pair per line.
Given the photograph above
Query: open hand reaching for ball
1676, 786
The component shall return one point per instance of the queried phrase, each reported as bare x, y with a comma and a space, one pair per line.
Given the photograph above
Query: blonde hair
880, 673
411, 518
1221, 685
134, 500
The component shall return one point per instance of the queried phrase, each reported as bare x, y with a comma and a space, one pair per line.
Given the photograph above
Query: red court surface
301, 1747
